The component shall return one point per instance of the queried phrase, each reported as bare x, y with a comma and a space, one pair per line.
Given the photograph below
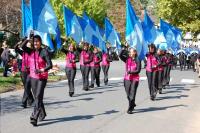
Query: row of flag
40, 17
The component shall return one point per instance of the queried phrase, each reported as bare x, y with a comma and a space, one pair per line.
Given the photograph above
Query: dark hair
153, 46
38, 37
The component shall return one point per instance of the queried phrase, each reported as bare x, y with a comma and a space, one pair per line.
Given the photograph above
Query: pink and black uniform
169, 67
160, 73
106, 59
95, 69
71, 59
131, 78
38, 59
25, 71
86, 58
152, 73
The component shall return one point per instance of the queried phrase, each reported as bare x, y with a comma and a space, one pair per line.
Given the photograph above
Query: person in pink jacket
131, 78
106, 59
39, 63
152, 71
95, 68
71, 59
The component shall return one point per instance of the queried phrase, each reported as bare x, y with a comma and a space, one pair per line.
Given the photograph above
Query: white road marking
188, 81
115, 79
143, 78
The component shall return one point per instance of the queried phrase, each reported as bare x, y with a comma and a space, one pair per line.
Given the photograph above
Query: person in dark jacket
5, 56
40, 63
131, 78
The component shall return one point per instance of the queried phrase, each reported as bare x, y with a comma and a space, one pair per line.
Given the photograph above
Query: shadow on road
171, 97
74, 118
152, 109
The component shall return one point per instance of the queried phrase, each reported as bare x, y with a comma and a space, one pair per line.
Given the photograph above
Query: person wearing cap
70, 69
5, 56
25, 71
39, 63
131, 78
85, 60
95, 68
152, 71
106, 59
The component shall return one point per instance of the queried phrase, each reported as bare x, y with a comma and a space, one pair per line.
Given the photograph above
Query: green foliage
94, 8
184, 14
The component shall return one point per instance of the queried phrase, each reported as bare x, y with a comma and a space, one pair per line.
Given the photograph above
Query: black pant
131, 89
152, 83
6, 67
28, 96
160, 79
168, 73
105, 72
71, 73
95, 75
85, 70
165, 76
38, 86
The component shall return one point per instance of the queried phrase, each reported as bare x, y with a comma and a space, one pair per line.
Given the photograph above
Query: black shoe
71, 94
91, 86
106, 83
153, 98
98, 85
86, 89
41, 118
33, 122
24, 105
160, 91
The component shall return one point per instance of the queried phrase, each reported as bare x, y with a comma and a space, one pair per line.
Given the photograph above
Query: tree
184, 14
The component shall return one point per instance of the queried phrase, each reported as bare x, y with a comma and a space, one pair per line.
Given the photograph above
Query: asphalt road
103, 109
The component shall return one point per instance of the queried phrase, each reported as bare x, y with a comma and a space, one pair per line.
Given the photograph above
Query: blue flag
43, 17
26, 19
111, 34
134, 31
166, 28
149, 29
57, 38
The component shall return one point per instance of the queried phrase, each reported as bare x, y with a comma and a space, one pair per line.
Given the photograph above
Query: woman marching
95, 68
71, 59
25, 71
160, 70
131, 78
106, 59
85, 60
39, 63
152, 71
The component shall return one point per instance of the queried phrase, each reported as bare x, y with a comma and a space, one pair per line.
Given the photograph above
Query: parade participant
169, 67
71, 59
160, 70
39, 63
5, 56
131, 78
182, 59
152, 71
95, 68
164, 69
25, 71
85, 60
106, 59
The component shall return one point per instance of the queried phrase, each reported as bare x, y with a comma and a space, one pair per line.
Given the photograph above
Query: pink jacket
131, 66
69, 57
152, 63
